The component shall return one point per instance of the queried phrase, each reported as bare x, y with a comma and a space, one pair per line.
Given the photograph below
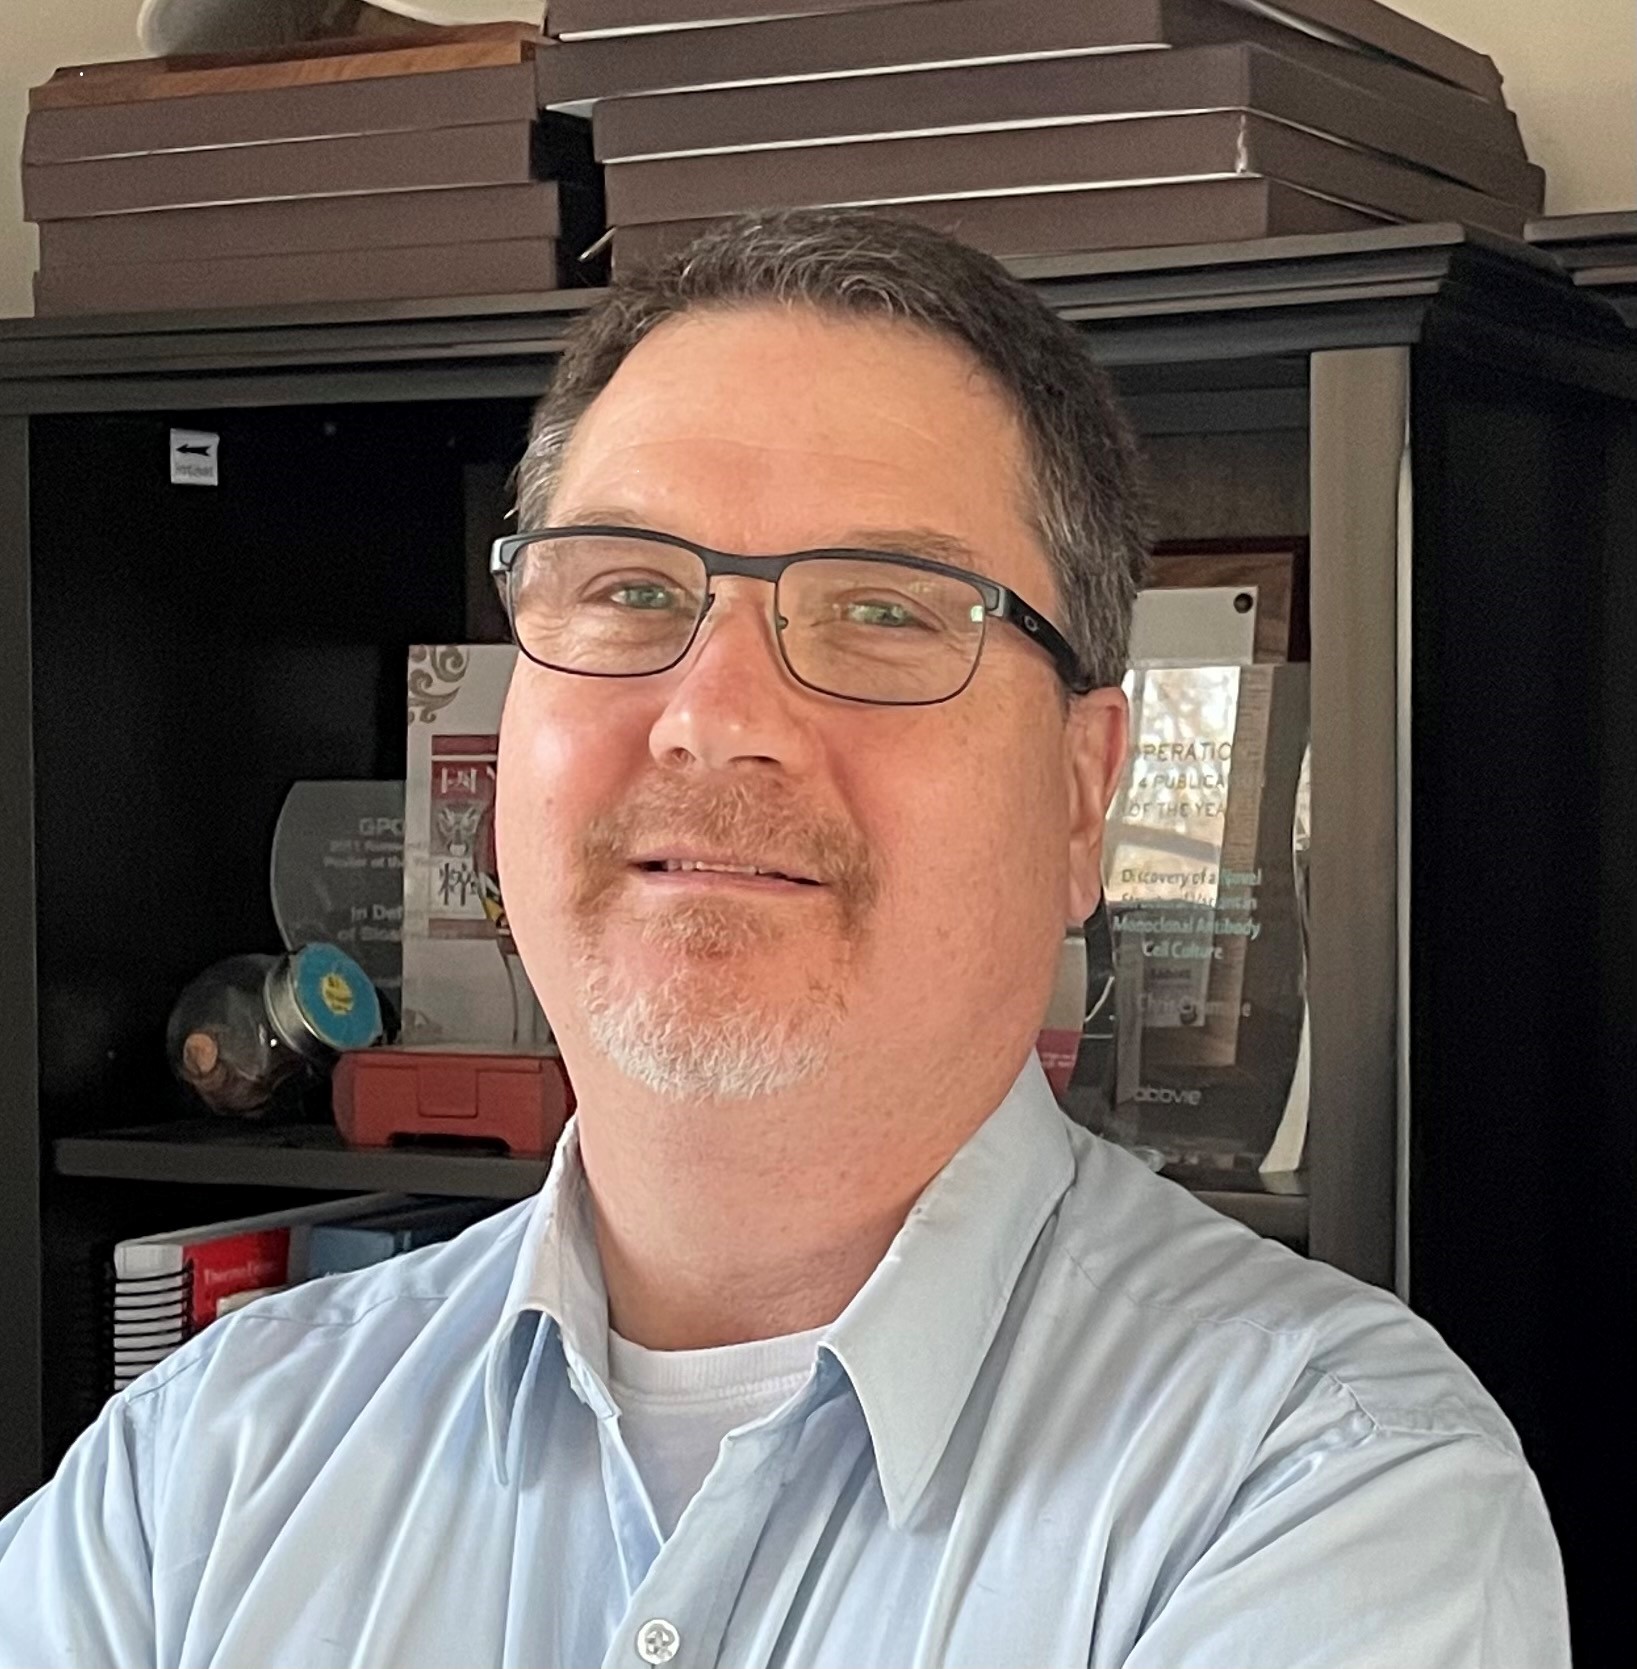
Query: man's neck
747, 1220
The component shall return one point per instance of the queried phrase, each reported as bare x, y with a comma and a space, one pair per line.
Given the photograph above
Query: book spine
1371, 181
1149, 148
340, 1249
938, 165
1064, 222
1211, 22
572, 72
1054, 89
1312, 99
305, 226
567, 19
521, 267
138, 79
149, 1319
236, 1263
907, 101
1374, 25
499, 154
908, 37
392, 104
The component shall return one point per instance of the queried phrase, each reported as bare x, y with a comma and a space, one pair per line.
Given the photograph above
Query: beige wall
1570, 68
1571, 75
37, 37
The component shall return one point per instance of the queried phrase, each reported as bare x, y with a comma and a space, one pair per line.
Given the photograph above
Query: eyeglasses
872, 626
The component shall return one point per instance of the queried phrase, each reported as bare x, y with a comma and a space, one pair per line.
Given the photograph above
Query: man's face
930, 855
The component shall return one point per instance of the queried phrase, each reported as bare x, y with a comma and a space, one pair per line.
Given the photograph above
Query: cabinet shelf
1280, 1216
313, 1156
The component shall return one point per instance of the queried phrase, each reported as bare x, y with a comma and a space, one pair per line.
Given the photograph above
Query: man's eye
643, 596
879, 613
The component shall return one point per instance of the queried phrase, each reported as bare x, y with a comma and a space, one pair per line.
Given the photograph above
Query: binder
168, 1286
371, 1238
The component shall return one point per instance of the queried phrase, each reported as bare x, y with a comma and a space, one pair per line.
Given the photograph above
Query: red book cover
240, 1263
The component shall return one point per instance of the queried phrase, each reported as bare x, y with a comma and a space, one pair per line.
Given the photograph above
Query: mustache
753, 819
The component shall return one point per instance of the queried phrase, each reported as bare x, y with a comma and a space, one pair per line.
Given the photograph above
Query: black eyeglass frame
1000, 602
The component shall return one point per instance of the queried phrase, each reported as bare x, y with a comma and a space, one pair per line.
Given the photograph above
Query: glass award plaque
464, 983
1204, 882
338, 875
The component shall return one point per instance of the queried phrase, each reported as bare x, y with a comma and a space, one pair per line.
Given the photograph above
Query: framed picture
1273, 572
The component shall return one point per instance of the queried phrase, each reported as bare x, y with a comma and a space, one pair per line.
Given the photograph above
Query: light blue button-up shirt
1074, 1417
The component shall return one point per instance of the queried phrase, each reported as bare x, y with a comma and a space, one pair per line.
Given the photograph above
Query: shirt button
657, 1642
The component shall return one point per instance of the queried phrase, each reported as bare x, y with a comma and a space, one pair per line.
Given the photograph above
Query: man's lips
700, 869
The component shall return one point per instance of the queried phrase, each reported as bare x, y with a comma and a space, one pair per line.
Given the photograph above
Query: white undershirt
676, 1406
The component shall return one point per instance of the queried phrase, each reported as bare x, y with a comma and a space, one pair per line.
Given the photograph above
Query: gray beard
724, 1049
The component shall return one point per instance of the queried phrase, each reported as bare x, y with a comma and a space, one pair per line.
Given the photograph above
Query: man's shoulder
1150, 1256
355, 1324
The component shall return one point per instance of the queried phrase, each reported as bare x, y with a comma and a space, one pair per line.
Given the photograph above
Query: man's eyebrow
928, 542
597, 515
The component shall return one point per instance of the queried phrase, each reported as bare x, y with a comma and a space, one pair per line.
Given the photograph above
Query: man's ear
1094, 747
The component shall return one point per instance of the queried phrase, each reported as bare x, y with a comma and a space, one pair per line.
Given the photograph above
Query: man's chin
689, 1043
713, 930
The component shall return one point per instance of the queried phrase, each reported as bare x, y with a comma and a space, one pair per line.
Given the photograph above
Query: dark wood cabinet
1449, 420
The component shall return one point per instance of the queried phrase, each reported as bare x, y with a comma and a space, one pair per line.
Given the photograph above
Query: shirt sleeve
1365, 1546
76, 1557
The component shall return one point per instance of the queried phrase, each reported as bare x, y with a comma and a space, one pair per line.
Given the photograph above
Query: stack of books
370, 169
167, 1287
1034, 127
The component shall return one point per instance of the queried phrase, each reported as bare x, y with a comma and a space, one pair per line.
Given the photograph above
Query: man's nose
732, 700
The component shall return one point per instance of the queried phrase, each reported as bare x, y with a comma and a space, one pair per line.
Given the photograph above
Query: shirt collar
912, 1339
558, 1277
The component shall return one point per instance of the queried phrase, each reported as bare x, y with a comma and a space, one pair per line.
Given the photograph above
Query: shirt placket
680, 1609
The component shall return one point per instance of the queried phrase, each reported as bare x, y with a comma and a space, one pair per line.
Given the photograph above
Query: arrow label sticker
193, 458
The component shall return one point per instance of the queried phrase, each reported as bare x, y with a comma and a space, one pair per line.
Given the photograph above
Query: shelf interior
211, 1152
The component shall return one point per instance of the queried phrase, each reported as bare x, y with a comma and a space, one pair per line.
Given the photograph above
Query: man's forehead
763, 430
891, 423
727, 371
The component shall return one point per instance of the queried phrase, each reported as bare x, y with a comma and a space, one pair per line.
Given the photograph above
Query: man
829, 1341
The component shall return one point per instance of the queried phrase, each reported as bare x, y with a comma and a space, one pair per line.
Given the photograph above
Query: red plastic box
385, 1095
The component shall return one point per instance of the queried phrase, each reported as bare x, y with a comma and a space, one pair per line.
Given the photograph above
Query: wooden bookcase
1448, 419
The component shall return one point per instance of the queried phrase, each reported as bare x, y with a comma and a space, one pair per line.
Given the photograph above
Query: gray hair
1087, 505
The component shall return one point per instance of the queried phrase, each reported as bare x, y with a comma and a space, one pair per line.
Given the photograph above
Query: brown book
482, 269
572, 19
1366, 22
308, 226
1126, 151
389, 104
133, 80
1064, 222
971, 96
914, 35
319, 46
1373, 24
501, 154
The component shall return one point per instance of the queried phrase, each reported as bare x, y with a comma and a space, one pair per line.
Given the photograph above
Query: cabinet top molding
1270, 297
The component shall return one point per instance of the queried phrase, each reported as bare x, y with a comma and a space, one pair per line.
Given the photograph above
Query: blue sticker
336, 998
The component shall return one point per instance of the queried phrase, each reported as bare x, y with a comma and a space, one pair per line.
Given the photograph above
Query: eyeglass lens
868, 629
